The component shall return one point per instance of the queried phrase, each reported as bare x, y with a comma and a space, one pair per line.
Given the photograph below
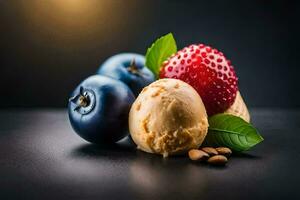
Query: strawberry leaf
231, 131
159, 51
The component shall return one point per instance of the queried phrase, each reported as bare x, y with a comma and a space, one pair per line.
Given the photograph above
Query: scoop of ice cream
168, 117
239, 108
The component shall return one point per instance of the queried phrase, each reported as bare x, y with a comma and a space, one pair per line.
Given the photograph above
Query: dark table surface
42, 158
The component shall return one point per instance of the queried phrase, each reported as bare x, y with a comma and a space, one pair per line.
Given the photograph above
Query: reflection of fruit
239, 108
128, 68
98, 109
153, 175
208, 71
168, 117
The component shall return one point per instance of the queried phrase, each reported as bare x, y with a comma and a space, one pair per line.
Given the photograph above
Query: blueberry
98, 109
129, 68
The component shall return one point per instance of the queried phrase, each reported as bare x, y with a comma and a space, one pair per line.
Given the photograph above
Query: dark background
48, 47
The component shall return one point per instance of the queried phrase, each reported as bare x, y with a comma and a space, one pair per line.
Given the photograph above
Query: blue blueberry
129, 68
98, 109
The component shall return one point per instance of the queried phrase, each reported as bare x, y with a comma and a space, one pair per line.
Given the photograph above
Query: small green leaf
232, 132
159, 51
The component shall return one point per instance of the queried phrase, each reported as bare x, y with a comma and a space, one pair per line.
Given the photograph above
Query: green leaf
159, 51
232, 132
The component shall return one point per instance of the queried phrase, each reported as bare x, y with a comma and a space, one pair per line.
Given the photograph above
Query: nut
211, 151
224, 151
196, 154
217, 160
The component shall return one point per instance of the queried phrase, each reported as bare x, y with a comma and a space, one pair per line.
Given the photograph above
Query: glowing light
66, 22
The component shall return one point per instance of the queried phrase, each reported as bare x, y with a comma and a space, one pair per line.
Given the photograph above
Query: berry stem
83, 101
133, 68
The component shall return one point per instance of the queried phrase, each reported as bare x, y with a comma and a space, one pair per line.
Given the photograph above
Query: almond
196, 154
217, 160
224, 151
211, 151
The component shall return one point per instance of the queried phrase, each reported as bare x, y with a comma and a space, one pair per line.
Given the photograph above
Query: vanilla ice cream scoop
168, 117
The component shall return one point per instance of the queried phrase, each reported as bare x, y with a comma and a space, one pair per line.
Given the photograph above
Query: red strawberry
208, 71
